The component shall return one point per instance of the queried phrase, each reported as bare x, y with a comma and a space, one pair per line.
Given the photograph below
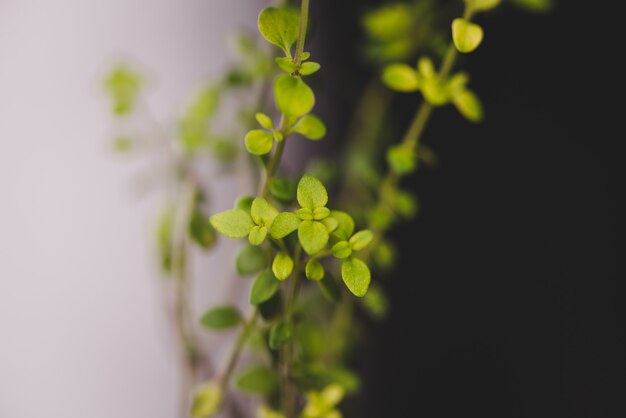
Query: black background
506, 301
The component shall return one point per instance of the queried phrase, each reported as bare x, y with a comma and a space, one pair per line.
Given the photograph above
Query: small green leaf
435, 92
286, 64
293, 97
282, 266
468, 105
376, 303
361, 239
221, 317
262, 212
320, 213
257, 235
201, 231
257, 379
330, 223
306, 56
206, 400
251, 259
482, 5
341, 249
314, 270
311, 193
234, 223
264, 120
308, 68
425, 68
400, 77
279, 26
280, 334
405, 204
304, 214
345, 226
264, 287
313, 236
466, 35
284, 224
310, 126
259, 142
401, 159
123, 86
244, 203
283, 190
356, 275
385, 255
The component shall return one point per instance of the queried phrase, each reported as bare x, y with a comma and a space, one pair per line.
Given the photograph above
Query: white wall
82, 331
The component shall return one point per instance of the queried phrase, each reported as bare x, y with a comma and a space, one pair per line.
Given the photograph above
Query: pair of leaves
322, 404
237, 223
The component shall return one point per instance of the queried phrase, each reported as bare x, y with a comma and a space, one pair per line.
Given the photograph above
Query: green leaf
251, 259
400, 77
264, 287
234, 223
341, 249
330, 223
257, 379
313, 236
308, 68
426, 68
262, 212
466, 35
282, 266
361, 239
401, 159
390, 22
279, 26
201, 231
405, 204
293, 97
345, 226
310, 126
435, 92
468, 105
280, 334
264, 120
330, 288
257, 235
314, 270
304, 214
164, 232
286, 64
283, 190
321, 213
244, 203
221, 317
356, 275
482, 5
385, 255
311, 193
376, 303
206, 400
123, 85
259, 142
284, 224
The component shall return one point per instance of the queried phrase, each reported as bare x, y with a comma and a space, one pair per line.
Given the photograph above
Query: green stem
239, 344
272, 167
304, 19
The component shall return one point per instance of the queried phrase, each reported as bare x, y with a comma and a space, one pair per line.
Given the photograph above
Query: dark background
506, 301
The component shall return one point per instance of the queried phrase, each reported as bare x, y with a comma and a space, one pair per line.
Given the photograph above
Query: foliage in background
299, 242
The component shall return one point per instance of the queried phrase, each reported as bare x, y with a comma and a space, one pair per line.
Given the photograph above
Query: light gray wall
82, 330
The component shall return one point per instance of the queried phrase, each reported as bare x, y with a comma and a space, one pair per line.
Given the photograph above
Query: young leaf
426, 68
206, 400
234, 223
482, 5
466, 35
321, 213
345, 226
282, 266
264, 120
314, 270
284, 224
313, 236
400, 77
361, 239
311, 193
293, 97
262, 212
341, 249
259, 142
286, 64
280, 334
244, 203
330, 223
308, 68
250, 260
311, 127
405, 204
356, 275
221, 317
257, 235
257, 379
264, 287
279, 26
468, 105
401, 159
201, 231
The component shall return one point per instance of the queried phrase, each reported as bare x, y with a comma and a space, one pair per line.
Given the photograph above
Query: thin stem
304, 19
272, 167
238, 348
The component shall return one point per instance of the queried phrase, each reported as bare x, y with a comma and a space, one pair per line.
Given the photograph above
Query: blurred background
506, 301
